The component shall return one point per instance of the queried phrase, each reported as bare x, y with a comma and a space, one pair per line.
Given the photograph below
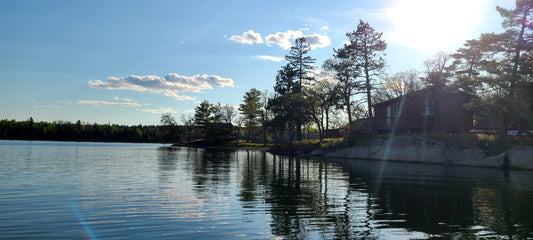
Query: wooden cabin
430, 109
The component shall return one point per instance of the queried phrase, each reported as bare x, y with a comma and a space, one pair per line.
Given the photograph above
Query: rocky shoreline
422, 150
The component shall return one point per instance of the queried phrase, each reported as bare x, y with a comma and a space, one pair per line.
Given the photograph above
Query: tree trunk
349, 110
369, 102
249, 134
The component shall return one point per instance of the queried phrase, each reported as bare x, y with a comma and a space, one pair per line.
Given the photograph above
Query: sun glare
433, 24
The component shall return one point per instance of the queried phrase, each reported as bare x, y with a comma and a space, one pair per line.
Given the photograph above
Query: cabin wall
449, 114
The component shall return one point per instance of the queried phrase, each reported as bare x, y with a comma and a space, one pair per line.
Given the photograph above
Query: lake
71, 190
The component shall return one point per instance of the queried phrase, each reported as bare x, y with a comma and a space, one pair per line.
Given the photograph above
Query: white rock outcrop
417, 149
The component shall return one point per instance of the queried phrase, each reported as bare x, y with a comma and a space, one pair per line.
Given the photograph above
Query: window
396, 109
428, 109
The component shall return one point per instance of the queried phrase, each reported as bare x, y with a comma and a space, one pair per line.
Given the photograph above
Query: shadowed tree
203, 117
282, 105
265, 114
510, 66
468, 65
302, 63
438, 70
366, 48
188, 123
346, 73
397, 85
170, 130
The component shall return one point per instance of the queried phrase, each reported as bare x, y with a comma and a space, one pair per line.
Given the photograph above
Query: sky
128, 62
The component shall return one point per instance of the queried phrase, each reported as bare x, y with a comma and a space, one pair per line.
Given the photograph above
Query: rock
521, 157
494, 161
417, 149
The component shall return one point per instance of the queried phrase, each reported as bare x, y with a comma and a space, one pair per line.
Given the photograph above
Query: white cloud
321, 75
318, 41
249, 37
283, 39
47, 106
178, 97
270, 58
155, 84
98, 103
161, 110
122, 99
324, 28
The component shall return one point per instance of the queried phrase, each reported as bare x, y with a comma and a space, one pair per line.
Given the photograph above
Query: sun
433, 24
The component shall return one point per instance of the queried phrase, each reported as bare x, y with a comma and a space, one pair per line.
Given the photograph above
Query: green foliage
67, 131
300, 61
289, 102
208, 119
219, 133
203, 116
251, 109
506, 64
169, 130
333, 143
283, 106
243, 143
368, 51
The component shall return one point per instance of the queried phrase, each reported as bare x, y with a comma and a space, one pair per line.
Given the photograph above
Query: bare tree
438, 70
188, 123
228, 112
397, 85
169, 128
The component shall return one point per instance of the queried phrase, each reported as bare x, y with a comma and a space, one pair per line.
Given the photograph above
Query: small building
429, 109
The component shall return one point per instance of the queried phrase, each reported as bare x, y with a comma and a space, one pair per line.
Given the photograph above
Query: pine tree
366, 48
251, 108
300, 61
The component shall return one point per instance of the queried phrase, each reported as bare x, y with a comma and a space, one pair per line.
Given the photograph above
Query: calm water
53, 190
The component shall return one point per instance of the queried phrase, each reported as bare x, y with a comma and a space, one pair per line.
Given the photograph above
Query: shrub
332, 143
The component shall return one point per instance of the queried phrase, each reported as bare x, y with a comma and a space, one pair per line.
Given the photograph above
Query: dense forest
67, 131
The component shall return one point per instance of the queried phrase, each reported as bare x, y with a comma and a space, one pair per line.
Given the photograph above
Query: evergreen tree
203, 117
282, 104
300, 61
510, 66
251, 109
366, 50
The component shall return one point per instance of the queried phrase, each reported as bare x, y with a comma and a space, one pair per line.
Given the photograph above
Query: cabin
429, 109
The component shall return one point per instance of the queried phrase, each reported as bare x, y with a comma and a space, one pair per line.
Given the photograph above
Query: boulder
520, 157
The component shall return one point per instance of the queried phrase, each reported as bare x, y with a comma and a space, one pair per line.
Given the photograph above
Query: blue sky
127, 62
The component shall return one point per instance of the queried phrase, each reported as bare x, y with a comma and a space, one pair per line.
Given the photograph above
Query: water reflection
153, 192
320, 198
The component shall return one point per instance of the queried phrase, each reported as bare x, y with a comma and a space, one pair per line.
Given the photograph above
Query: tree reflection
341, 199
211, 169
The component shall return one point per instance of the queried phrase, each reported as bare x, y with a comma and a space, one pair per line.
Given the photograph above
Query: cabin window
428, 109
396, 109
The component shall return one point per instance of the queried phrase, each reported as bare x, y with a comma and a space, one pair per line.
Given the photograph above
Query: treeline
78, 131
